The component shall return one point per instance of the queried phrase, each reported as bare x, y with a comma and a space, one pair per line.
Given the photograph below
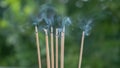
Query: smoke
63, 21
66, 21
48, 17
48, 13
45, 17
86, 25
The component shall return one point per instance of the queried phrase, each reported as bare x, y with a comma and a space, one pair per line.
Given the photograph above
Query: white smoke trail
86, 25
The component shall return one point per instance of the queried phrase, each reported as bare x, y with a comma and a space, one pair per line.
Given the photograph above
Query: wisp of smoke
86, 25
46, 16
66, 21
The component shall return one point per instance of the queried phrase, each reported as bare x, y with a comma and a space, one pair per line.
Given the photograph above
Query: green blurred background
102, 46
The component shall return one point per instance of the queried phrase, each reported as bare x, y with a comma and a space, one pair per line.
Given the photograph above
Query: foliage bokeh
102, 46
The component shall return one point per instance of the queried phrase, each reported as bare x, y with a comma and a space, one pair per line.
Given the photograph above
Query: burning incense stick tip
51, 29
36, 29
56, 32
64, 29
45, 31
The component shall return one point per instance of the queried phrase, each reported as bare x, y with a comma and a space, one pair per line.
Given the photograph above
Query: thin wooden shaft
47, 49
52, 48
56, 48
38, 47
81, 50
62, 48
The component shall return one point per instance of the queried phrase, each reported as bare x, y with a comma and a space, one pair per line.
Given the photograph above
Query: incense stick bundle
62, 48
38, 48
52, 48
81, 50
47, 49
56, 48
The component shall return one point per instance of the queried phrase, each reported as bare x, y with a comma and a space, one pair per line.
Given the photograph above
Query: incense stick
52, 48
56, 48
62, 48
47, 49
81, 50
38, 48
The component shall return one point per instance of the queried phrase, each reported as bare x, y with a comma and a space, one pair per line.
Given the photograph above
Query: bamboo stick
81, 50
47, 49
56, 48
38, 46
52, 48
62, 47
